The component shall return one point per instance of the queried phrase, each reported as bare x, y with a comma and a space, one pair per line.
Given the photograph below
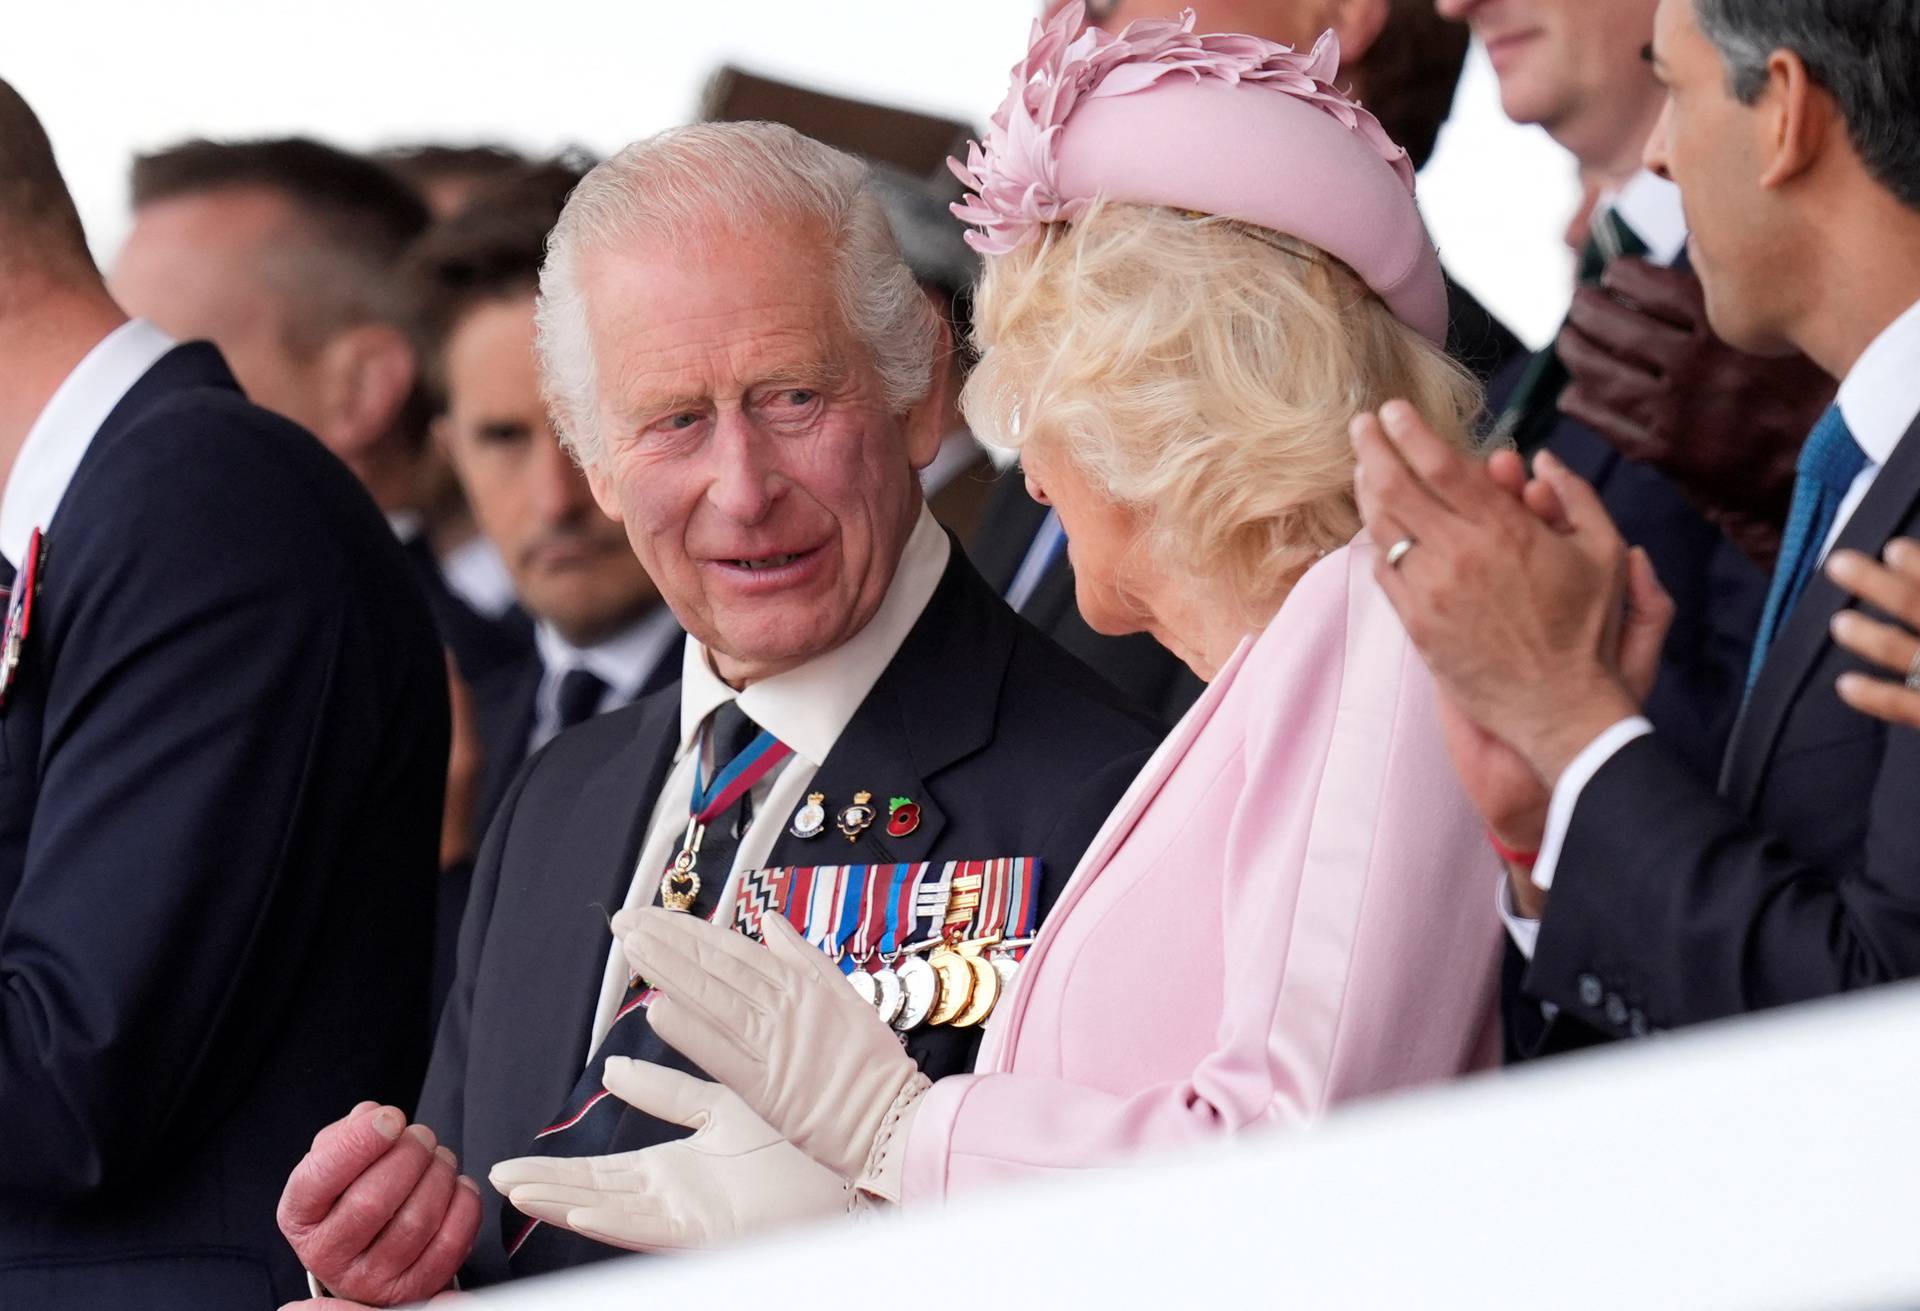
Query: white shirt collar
60, 436
1650, 205
1880, 396
622, 662
808, 707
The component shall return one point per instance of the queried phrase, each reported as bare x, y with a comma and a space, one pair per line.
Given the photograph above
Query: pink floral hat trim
1014, 176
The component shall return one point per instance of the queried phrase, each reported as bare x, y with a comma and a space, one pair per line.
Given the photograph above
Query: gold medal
956, 984
680, 884
986, 993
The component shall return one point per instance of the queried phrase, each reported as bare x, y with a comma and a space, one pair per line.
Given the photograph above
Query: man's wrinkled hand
1521, 621
377, 1210
1649, 374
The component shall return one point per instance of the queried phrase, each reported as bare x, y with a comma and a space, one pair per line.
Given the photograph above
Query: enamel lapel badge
13, 638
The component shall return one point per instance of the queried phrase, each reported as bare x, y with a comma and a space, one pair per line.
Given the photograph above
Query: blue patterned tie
1828, 464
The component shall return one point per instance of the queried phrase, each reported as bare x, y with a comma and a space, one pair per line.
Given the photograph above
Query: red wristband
1524, 859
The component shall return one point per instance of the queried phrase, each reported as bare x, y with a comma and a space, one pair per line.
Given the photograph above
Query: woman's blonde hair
1202, 372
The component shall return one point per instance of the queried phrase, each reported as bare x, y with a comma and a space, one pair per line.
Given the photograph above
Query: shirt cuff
1566, 793
1524, 932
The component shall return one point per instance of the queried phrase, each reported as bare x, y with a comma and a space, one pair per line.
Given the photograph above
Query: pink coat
1289, 909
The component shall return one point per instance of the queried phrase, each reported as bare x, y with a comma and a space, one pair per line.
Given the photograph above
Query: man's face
1713, 146
1572, 66
571, 565
750, 451
199, 267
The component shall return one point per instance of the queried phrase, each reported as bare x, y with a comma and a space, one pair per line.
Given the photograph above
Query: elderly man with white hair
865, 740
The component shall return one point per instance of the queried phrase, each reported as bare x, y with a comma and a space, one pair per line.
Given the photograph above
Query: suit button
1589, 990
1637, 1023
1616, 1010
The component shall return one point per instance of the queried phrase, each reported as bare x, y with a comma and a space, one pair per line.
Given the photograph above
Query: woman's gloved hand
733, 1179
778, 1025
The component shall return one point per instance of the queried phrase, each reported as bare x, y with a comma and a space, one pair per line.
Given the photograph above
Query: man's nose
556, 484
1455, 10
744, 482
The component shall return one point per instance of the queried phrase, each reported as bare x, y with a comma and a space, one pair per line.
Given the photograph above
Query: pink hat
1216, 123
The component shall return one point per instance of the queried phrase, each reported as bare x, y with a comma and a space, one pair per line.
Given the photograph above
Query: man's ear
926, 422
1797, 117
367, 373
1358, 24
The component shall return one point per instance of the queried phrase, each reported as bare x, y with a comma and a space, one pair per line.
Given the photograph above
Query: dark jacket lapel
1805, 637
897, 743
583, 881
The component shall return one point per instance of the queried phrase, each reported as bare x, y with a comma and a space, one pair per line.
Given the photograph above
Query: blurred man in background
602, 636
284, 254
445, 176
222, 730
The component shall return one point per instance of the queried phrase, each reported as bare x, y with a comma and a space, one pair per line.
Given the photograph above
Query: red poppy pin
903, 817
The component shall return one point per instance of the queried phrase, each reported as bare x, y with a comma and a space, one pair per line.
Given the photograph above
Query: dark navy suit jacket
1011, 747
220, 773
1675, 902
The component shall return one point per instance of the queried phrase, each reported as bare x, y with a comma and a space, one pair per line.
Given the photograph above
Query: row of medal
923, 944
954, 983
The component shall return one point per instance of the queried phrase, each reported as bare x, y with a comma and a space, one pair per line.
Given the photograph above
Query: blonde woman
1202, 260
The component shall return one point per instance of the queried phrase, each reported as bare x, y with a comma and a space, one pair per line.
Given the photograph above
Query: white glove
778, 1025
734, 1178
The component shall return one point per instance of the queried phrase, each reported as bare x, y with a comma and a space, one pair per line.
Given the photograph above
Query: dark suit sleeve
1669, 907
195, 653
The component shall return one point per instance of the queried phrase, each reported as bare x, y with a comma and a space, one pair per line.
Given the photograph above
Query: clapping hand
1894, 588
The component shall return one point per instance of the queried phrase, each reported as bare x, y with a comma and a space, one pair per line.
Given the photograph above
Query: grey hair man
750, 376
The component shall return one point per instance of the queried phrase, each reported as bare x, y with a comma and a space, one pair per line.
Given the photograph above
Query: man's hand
377, 1211
1895, 589
1521, 620
1650, 376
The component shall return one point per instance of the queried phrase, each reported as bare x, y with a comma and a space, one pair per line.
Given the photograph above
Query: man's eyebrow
813, 373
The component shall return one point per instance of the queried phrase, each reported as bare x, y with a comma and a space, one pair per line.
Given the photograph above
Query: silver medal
865, 987
889, 996
1006, 967
922, 988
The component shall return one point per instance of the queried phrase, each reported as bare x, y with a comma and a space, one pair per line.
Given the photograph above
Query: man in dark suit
284, 253
751, 378
222, 731
1645, 898
602, 635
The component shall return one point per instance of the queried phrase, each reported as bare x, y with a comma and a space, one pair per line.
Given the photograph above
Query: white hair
682, 184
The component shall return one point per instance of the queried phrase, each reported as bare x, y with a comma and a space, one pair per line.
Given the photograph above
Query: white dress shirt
623, 662
60, 436
1650, 205
1879, 399
476, 574
807, 708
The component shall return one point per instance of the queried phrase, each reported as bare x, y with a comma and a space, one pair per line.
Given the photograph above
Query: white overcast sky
110, 77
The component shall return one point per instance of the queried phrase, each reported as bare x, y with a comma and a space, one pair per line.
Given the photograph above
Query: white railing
1773, 1162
